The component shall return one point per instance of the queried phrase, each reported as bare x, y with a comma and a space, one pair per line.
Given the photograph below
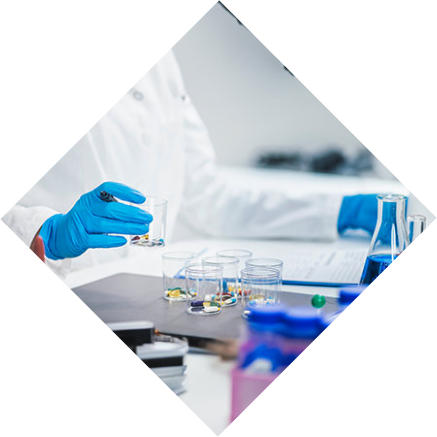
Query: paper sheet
324, 267
305, 263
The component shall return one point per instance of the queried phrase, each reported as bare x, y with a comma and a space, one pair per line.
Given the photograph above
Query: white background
252, 103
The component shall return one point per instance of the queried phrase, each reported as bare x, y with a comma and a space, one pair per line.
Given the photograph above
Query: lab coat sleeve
217, 207
26, 222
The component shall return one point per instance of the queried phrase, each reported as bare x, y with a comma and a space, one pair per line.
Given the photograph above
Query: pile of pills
234, 290
179, 294
212, 304
204, 307
260, 299
144, 240
226, 299
138, 239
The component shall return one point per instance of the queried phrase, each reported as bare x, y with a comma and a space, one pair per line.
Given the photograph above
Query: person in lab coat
154, 142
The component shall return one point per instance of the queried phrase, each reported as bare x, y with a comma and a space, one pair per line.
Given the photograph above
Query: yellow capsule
174, 293
256, 297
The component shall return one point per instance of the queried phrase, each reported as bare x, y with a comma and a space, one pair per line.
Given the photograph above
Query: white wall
246, 98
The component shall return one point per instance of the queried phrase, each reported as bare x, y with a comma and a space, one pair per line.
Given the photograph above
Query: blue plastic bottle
260, 350
346, 296
300, 326
327, 320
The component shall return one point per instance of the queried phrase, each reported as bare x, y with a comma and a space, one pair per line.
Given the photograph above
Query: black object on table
127, 297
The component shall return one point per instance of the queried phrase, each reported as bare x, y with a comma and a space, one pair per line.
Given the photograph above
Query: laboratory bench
202, 365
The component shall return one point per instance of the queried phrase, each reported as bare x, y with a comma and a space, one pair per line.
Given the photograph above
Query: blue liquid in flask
374, 266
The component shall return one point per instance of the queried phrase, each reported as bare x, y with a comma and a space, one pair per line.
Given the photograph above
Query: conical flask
390, 237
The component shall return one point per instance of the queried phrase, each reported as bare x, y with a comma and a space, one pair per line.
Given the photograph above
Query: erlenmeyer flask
390, 237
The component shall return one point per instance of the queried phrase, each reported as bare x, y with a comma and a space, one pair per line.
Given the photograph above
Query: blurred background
257, 113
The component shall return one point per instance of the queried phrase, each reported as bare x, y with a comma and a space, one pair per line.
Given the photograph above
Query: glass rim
243, 252
228, 260
179, 255
417, 216
391, 197
263, 272
200, 268
273, 262
157, 201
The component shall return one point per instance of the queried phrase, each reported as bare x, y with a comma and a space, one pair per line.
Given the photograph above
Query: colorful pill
174, 293
211, 304
230, 301
196, 309
197, 303
212, 309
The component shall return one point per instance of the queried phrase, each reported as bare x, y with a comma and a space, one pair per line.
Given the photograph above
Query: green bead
318, 301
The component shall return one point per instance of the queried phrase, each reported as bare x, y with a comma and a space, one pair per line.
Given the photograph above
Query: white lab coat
154, 140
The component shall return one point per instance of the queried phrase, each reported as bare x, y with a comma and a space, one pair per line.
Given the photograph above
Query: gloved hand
358, 212
87, 224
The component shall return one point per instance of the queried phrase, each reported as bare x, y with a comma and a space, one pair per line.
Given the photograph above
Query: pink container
246, 388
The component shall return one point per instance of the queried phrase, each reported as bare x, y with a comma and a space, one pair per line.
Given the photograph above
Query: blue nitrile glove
87, 224
358, 212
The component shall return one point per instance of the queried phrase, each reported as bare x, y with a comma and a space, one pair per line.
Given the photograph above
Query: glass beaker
203, 281
242, 255
259, 286
157, 207
390, 237
270, 263
173, 273
229, 293
416, 225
